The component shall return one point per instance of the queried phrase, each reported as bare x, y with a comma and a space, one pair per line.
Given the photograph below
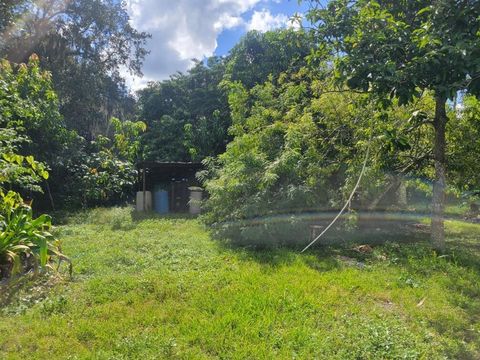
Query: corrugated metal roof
168, 164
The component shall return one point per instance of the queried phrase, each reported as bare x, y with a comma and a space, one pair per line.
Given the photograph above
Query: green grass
162, 288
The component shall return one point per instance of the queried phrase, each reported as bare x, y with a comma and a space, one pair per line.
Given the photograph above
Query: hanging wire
348, 201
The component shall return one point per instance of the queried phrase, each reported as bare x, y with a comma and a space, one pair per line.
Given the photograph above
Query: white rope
348, 201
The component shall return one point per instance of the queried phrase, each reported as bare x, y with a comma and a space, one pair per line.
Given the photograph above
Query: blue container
160, 201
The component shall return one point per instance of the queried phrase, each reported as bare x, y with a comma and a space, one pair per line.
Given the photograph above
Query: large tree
9, 11
400, 49
85, 44
187, 115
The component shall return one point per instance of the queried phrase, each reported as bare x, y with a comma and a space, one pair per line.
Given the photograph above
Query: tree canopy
259, 55
188, 115
84, 44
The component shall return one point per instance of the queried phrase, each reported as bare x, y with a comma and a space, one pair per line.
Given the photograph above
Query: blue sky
185, 29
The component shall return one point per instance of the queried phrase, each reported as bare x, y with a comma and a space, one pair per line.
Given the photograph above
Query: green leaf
30, 160
44, 174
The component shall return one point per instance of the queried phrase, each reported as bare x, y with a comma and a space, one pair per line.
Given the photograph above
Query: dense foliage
298, 146
259, 55
83, 44
29, 104
104, 172
25, 241
188, 115
82, 172
398, 49
63, 98
463, 138
282, 122
17, 171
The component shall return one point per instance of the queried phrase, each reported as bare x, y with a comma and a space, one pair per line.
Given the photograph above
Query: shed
168, 184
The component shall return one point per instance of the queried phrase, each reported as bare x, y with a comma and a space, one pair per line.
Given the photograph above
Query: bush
99, 179
102, 172
25, 242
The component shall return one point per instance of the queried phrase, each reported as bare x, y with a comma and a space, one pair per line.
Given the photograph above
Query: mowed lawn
162, 288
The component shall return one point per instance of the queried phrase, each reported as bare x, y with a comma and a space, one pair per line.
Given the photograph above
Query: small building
166, 187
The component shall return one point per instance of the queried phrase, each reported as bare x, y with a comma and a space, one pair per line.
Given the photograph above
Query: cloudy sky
186, 29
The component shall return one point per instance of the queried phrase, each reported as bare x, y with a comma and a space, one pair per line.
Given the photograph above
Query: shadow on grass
409, 250
268, 256
417, 264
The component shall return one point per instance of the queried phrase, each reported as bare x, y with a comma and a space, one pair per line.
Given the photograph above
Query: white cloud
182, 30
264, 21
185, 29
228, 22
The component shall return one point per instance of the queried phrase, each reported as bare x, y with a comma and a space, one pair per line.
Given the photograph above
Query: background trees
463, 134
82, 173
30, 105
66, 96
282, 120
187, 115
259, 55
298, 143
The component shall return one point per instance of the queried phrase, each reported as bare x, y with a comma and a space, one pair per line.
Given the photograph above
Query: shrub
102, 172
99, 179
25, 242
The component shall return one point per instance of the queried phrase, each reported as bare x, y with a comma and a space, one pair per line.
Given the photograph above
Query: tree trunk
438, 199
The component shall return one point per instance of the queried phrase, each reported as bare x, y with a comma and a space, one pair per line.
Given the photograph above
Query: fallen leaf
421, 302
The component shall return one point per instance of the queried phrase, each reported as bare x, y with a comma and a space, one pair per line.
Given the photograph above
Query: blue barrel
160, 201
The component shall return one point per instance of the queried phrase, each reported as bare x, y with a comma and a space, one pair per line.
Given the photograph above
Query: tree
400, 49
29, 105
9, 12
84, 44
463, 136
298, 146
187, 115
259, 55
81, 172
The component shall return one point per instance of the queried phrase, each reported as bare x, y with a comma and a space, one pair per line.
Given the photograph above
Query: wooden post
50, 195
315, 230
172, 203
144, 189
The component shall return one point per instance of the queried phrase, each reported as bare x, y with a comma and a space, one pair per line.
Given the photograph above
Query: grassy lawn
162, 288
